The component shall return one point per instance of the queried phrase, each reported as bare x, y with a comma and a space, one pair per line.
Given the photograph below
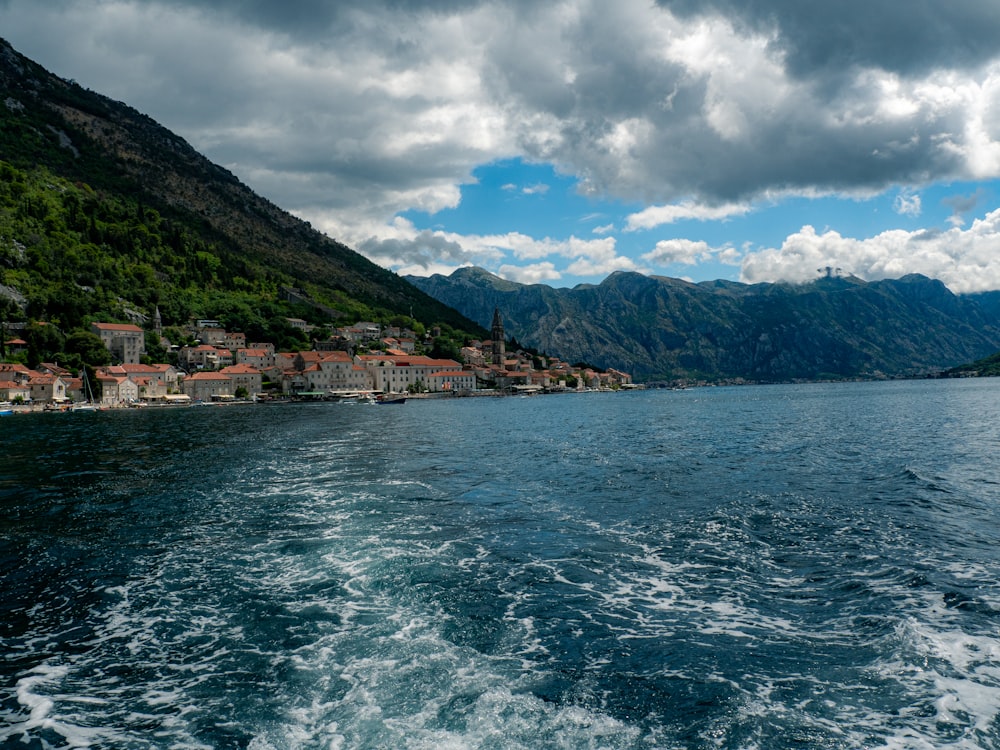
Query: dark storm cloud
820, 37
349, 113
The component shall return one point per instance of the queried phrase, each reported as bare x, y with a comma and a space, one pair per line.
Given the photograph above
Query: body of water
812, 566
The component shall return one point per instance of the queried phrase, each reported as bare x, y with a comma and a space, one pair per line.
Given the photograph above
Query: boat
388, 399
89, 404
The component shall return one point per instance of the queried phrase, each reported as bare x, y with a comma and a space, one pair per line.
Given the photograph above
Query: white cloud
655, 216
539, 189
601, 267
537, 273
965, 260
604, 229
689, 252
907, 204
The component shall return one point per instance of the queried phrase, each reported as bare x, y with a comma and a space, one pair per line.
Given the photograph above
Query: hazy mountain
663, 328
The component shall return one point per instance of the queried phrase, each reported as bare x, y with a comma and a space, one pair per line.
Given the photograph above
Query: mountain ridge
661, 328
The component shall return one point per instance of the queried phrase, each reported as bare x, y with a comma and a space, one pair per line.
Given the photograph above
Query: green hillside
105, 215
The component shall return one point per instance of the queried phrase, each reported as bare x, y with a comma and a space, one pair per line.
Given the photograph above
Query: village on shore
363, 361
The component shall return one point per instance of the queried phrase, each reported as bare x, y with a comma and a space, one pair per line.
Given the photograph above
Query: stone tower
499, 348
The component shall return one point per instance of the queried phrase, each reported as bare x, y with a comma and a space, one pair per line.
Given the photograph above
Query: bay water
800, 566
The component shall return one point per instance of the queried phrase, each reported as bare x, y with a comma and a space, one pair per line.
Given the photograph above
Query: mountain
660, 328
102, 206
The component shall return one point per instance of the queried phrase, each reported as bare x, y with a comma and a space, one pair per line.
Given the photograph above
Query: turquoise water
811, 566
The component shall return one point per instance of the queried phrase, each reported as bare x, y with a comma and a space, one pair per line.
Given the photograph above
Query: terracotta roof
123, 327
209, 376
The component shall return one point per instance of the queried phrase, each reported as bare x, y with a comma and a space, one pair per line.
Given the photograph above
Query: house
16, 373
244, 376
50, 368
117, 390
212, 336
473, 356
47, 389
126, 342
166, 377
261, 359
234, 341
203, 357
451, 381
206, 386
12, 390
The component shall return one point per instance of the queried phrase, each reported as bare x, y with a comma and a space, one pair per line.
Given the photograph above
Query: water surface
760, 567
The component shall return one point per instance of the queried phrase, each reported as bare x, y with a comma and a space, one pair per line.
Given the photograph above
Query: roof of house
241, 369
203, 376
119, 327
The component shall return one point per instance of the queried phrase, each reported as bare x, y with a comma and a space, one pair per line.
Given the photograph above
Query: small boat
387, 399
89, 404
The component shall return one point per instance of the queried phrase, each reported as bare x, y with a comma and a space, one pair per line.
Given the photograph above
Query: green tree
88, 348
45, 343
445, 348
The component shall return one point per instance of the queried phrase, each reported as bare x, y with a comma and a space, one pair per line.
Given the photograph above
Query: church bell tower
499, 347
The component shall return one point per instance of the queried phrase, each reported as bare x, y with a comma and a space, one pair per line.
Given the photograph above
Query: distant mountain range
666, 329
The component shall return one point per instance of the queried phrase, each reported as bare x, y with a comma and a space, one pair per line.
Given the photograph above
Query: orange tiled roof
122, 327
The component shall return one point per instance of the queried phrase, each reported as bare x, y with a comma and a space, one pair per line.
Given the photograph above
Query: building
497, 338
451, 381
126, 342
396, 374
117, 390
203, 357
46, 389
206, 386
244, 376
261, 359
12, 390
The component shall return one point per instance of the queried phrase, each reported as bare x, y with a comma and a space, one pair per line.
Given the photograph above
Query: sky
558, 142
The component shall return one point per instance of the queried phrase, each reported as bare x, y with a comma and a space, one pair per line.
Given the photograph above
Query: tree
88, 348
445, 348
45, 342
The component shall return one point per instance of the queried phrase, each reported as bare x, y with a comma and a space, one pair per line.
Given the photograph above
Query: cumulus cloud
349, 113
965, 260
907, 204
689, 252
655, 216
536, 273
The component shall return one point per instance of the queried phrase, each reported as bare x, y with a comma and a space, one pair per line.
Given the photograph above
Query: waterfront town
362, 361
